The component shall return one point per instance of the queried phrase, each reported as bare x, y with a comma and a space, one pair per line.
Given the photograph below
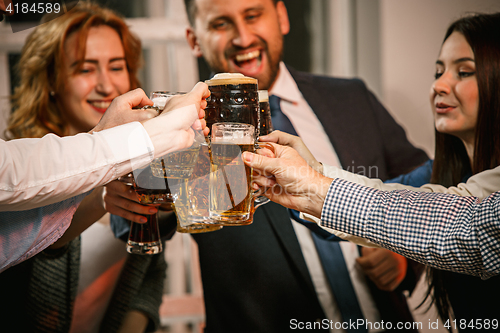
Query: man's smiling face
240, 37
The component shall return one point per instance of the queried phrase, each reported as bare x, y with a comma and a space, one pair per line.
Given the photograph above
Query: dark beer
145, 233
151, 189
266, 124
144, 238
233, 98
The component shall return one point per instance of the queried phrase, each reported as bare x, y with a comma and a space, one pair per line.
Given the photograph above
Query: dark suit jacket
254, 277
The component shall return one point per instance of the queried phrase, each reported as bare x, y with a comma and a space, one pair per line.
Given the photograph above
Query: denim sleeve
416, 178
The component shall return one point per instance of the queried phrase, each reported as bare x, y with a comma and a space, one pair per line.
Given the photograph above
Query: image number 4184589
26, 14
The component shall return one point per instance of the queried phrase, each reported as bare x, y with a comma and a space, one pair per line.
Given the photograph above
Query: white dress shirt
47, 171
38, 172
311, 131
38, 177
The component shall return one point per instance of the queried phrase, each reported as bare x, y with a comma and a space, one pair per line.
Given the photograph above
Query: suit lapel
279, 220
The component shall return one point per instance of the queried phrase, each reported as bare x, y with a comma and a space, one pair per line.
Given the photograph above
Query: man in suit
267, 277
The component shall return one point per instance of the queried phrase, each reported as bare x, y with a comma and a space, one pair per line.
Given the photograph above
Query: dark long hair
451, 162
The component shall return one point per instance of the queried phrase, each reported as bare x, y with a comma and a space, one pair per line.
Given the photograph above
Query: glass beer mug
181, 170
144, 238
231, 195
233, 98
266, 124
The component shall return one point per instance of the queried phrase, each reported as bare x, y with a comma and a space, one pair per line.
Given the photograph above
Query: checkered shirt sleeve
441, 230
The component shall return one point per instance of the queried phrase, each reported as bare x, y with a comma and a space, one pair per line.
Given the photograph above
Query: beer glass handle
264, 145
260, 199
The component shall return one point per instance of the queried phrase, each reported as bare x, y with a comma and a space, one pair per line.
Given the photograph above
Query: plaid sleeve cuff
346, 207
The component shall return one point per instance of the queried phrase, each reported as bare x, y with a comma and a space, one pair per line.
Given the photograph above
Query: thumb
135, 98
200, 90
261, 163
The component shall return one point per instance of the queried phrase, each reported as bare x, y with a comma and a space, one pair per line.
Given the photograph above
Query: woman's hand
121, 200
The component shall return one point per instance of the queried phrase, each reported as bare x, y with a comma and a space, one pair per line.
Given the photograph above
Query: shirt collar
285, 86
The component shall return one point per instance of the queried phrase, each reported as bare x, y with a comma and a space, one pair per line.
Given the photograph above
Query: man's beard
267, 77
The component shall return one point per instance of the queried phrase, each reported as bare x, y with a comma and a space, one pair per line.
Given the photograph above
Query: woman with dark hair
466, 106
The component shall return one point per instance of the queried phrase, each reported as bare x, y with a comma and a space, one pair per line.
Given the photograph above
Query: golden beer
230, 181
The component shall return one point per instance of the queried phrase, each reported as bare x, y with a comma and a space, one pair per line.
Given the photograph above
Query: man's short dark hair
191, 10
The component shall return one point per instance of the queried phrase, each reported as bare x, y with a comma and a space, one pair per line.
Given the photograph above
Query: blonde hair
41, 67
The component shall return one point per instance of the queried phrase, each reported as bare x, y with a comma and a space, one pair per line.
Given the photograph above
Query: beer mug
191, 205
266, 124
231, 192
233, 98
177, 169
266, 127
160, 98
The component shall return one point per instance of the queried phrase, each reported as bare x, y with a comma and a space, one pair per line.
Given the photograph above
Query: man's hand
174, 128
291, 181
296, 143
385, 268
121, 110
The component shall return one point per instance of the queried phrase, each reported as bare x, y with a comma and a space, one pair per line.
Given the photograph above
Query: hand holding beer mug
231, 180
181, 170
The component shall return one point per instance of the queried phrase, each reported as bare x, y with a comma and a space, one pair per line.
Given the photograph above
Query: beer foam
230, 78
234, 139
263, 96
160, 102
234, 133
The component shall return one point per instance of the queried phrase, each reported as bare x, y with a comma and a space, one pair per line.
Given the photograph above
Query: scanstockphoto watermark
26, 14
353, 325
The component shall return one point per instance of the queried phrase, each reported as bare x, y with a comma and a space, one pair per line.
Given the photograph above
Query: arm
440, 230
40, 189
38, 172
479, 185
89, 211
